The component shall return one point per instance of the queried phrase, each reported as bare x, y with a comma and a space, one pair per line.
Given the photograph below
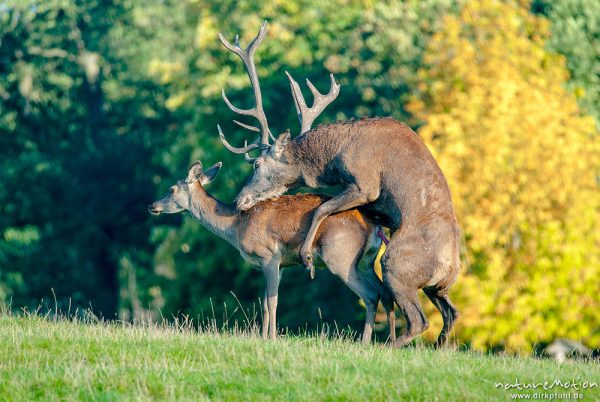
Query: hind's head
179, 197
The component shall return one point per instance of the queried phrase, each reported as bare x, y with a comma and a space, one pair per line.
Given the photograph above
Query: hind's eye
171, 191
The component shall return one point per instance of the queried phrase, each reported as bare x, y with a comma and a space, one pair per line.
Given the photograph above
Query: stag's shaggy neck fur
312, 154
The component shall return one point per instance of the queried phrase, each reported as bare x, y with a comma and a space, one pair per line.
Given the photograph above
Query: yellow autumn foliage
523, 165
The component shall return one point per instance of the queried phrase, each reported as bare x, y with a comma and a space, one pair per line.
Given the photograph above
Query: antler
247, 148
257, 111
307, 115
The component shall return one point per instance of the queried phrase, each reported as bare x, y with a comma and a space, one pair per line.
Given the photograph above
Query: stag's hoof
404, 342
307, 260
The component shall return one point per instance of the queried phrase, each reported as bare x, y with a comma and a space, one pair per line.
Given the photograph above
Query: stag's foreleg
351, 197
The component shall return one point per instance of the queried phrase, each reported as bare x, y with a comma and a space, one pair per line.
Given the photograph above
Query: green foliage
575, 27
42, 360
78, 110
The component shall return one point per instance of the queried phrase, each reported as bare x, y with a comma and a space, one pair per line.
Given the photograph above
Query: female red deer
384, 166
270, 234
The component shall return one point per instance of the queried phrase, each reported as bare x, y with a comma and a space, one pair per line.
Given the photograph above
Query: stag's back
387, 152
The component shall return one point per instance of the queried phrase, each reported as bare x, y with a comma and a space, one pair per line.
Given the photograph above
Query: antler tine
297, 95
307, 115
247, 127
247, 58
245, 112
258, 39
245, 54
247, 157
231, 148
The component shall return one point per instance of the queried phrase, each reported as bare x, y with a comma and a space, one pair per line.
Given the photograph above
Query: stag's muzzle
244, 203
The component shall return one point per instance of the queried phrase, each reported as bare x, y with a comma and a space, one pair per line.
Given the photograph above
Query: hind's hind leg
369, 276
442, 302
345, 267
362, 284
388, 305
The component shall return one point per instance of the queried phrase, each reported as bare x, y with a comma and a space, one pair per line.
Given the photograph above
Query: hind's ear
210, 173
281, 143
195, 172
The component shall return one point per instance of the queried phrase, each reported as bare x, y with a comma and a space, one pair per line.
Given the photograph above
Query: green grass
66, 360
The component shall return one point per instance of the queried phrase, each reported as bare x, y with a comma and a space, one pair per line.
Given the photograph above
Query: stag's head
179, 197
274, 172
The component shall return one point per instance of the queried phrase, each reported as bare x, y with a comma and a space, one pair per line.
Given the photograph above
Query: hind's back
287, 219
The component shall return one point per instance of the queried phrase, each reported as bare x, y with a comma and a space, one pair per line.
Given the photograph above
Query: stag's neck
313, 153
218, 217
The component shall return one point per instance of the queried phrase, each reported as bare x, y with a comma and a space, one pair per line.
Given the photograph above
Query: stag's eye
257, 163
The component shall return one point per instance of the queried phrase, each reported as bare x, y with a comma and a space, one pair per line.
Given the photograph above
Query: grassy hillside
51, 360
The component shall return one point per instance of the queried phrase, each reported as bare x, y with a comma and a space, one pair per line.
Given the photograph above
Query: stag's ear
210, 173
195, 172
281, 143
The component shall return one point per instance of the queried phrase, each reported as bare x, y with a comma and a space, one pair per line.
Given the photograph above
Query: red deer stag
383, 165
270, 235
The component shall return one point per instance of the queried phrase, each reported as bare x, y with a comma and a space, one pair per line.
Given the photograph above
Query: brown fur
287, 218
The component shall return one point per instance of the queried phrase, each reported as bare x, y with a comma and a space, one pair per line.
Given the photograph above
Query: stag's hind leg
401, 269
416, 321
442, 302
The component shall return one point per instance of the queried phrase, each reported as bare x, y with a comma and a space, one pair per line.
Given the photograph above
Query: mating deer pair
270, 235
383, 166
